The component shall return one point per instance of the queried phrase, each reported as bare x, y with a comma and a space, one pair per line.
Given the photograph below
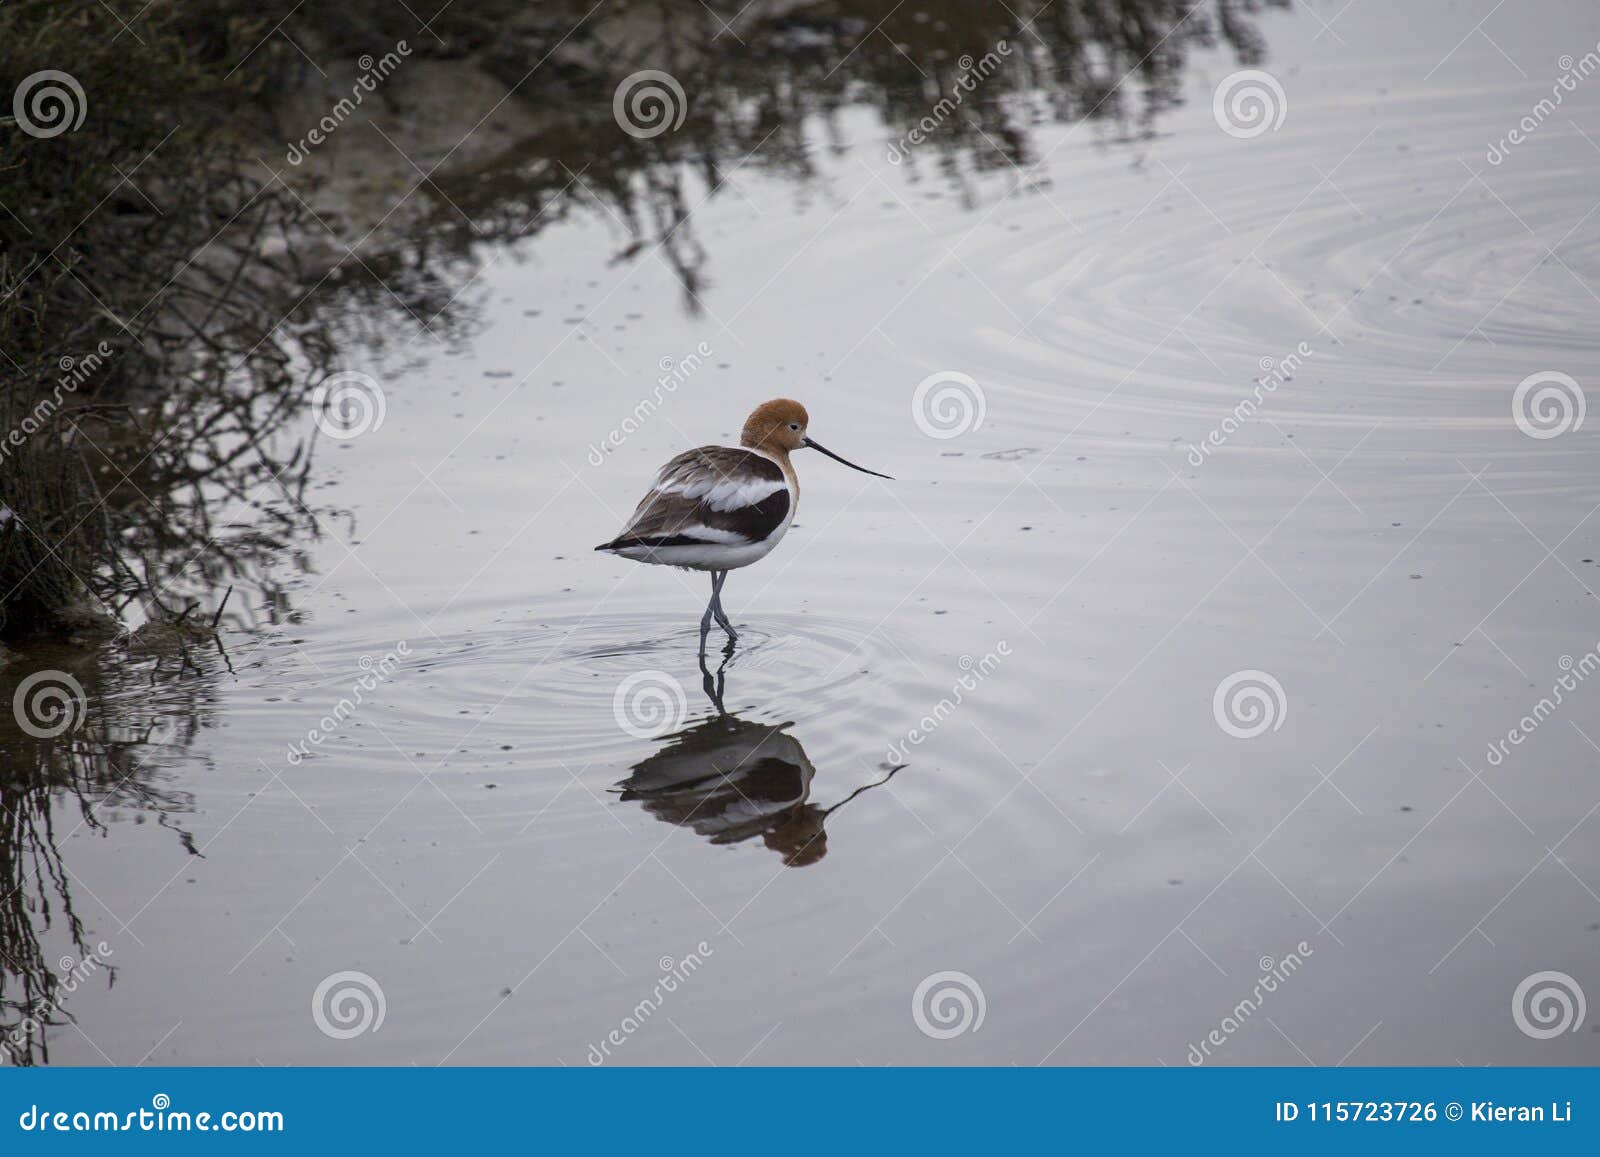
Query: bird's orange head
777, 426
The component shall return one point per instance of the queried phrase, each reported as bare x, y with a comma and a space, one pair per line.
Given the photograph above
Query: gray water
1011, 652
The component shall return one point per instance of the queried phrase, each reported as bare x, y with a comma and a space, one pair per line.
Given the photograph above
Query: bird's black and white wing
711, 497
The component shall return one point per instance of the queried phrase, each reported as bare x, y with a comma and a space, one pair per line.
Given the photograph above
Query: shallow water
972, 709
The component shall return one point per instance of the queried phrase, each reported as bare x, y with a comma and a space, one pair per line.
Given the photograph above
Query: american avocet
719, 508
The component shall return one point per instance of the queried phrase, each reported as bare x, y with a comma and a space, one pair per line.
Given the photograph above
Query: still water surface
1079, 836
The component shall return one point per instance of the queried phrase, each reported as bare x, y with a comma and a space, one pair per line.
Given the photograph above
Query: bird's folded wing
714, 494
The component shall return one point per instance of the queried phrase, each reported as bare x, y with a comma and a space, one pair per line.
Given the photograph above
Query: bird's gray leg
717, 579
705, 619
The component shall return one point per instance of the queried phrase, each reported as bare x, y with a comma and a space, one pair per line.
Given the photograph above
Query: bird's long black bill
846, 461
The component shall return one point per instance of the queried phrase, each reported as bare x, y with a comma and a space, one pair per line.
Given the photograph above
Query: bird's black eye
794, 425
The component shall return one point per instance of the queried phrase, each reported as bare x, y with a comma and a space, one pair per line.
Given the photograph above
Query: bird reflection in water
730, 779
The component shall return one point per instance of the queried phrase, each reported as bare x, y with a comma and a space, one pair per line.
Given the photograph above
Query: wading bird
719, 508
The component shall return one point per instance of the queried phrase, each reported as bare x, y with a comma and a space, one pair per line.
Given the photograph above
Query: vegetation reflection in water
89, 748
